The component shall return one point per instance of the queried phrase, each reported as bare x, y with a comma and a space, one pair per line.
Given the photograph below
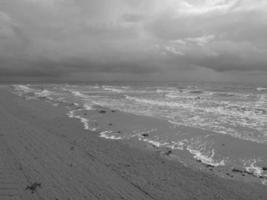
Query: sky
137, 40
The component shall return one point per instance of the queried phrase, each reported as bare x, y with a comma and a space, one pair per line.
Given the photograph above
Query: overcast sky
211, 40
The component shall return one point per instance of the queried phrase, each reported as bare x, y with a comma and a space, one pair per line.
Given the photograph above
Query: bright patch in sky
197, 8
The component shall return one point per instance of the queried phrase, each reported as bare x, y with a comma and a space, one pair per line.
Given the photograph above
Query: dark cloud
152, 38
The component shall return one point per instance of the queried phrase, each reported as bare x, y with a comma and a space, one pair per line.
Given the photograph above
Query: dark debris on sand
33, 187
102, 111
145, 135
168, 152
244, 172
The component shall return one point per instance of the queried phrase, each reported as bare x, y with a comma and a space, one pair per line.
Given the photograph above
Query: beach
47, 155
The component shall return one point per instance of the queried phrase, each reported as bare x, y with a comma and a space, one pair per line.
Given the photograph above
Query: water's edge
94, 116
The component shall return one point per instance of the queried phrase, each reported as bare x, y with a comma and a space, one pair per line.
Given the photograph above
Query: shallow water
228, 124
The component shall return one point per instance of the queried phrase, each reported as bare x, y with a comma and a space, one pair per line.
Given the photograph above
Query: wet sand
46, 155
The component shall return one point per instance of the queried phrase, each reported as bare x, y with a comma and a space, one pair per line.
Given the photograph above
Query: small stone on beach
237, 170
102, 111
168, 152
209, 166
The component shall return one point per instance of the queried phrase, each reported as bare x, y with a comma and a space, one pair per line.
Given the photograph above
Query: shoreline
56, 152
134, 129
143, 139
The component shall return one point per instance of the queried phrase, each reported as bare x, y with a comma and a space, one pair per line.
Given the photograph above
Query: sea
228, 120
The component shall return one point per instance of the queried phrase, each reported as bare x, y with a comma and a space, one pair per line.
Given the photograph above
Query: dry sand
46, 155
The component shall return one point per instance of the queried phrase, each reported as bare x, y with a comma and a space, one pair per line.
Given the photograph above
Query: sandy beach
46, 155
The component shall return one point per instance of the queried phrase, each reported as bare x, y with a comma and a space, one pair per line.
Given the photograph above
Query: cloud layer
133, 39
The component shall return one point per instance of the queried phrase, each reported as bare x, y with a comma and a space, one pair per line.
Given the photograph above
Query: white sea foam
173, 95
83, 120
106, 135
87, 107
153, 142
113, 89
32, 93
176, 145
227, 109
153, 102
261, 89
172, 144
79, 94
23, 89
213, 116
251, 167
44, 93
207, 159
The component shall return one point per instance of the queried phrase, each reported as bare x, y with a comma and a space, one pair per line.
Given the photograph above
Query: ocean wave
30, 92
44, 94
216, 107
23, 88
241, 110
172, 95
115, 89
260, 89
155, 102
221, 117
78, 94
